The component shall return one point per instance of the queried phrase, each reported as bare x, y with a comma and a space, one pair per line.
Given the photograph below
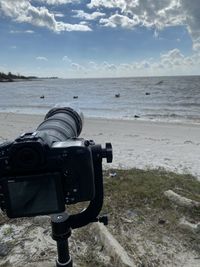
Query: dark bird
75, 96
42, 96
117, 95
160, 82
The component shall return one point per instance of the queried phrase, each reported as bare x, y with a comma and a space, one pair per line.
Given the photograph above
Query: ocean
174, 99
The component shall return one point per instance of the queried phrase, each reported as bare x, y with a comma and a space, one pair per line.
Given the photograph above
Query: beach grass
142, 219
145, 189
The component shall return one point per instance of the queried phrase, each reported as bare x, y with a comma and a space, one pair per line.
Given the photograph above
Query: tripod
61, 231
62, 224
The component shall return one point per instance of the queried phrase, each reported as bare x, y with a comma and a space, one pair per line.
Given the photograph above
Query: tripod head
63, 223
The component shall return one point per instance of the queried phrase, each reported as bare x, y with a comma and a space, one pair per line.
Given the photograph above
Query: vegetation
145, 189
143, 220
10, 77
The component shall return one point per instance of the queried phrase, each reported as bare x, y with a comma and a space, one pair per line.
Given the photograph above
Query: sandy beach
139, 144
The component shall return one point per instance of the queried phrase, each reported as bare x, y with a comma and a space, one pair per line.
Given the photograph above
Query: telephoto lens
61, 123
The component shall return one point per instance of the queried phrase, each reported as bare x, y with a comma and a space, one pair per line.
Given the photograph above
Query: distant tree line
10, 77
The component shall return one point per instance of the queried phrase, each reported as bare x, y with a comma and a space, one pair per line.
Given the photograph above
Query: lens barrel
61, 124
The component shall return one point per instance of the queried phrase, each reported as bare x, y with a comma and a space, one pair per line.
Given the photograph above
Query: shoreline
194, 122
136, 143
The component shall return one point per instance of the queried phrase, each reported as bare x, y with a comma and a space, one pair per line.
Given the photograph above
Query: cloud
66, 59
42, 58
153, 14
122, 4
149, 13
120, 20
57, 2
170, 62
192, 20
22, 11
77, 67
27, 31
59, 15
87, 16
172, 58
122, 13
93, 65
125, 66
196, 45
108, 66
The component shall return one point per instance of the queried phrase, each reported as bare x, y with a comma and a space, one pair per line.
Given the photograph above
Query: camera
44, 170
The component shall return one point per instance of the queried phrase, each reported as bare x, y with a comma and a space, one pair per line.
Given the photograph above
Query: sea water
144, 98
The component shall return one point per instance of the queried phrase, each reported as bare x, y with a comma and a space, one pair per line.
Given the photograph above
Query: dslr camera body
41, 172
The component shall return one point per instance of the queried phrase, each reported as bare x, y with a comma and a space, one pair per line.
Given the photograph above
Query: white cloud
169, 63
88, 16
130, 13
60, 26
23, 11
192, 20
120, 20
83, 23
144, 64
122, 4
156, 14
125, 66
59, 15
172, 58
27, 31
93, 65
57, 2
66, 59
42, 58
77, 66
176, 60
149, 13
196, 45
108, 66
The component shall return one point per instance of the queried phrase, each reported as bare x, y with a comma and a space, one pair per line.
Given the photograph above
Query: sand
140, 144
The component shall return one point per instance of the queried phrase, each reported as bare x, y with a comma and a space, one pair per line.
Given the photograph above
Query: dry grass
138, 189
142, 218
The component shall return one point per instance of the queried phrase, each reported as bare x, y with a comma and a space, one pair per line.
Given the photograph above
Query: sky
100, 38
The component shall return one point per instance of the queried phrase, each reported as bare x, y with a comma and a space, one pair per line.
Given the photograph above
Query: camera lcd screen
34, 195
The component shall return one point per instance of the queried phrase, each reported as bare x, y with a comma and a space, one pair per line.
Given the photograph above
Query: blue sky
99, 38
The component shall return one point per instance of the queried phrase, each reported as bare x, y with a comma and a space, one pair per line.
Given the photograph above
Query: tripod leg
64, 258
60, 233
